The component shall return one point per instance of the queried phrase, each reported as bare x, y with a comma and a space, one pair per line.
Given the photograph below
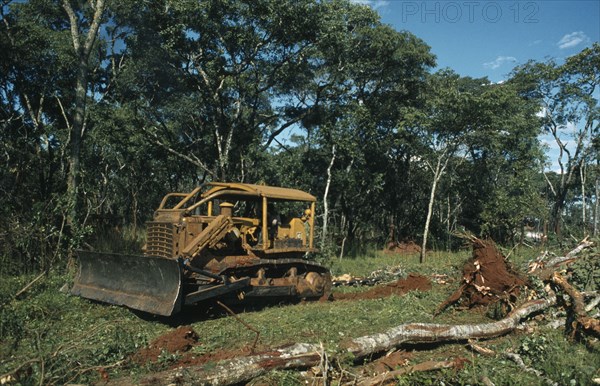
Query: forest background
106, 106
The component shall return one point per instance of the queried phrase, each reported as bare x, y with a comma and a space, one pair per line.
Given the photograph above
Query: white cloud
542, 113
573, 39
499, 61
375, 4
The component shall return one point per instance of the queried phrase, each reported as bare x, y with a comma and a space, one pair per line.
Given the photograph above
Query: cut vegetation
52, 338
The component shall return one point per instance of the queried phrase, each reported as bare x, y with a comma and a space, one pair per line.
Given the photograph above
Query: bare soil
413, 282
179, 340
402, 248
182, 339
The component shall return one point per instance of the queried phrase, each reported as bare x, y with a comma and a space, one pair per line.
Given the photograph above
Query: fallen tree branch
513, 357
582, 323
517, 359
248, 326
593, 304
423, 332
29, 285
425, 366
237, 370
24, 289
543, 261
479, 349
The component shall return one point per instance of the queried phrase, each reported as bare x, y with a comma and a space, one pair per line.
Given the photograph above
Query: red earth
413, 282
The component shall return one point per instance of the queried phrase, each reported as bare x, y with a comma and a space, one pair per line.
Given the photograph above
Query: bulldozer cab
264, 220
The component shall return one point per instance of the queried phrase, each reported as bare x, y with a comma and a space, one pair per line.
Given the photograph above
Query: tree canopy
106, 106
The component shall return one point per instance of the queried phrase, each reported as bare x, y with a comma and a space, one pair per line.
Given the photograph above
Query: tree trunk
427, 221
582, 323
556, 216
82, 50
582, 176
325, 203
76, 137
437, 174
234, 371
596, 206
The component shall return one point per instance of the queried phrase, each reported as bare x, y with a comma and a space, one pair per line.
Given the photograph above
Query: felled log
429, 333
236, 370
305, 355
582, 323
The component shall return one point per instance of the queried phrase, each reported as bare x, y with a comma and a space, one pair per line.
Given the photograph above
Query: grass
56, 338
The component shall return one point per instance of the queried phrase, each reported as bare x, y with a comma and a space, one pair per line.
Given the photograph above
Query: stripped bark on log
237, 370
429, 333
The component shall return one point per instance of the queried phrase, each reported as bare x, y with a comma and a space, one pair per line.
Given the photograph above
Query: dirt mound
487, 279
402, 248
399, 287
179, 340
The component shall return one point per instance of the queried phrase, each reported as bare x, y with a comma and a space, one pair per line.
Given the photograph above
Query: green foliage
58, 337
534, 347
586, 273
187, 92
566, 95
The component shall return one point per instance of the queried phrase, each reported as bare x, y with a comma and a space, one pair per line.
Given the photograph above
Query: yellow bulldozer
220, 241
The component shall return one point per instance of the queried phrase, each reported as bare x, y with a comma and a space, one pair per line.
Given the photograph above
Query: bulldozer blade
146, 283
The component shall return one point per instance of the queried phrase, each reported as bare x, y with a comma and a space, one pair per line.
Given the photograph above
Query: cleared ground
50, 337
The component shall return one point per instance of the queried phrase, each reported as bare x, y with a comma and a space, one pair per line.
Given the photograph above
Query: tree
84, 25
440, 128
566, 94
485, 136
229, 80
36, 69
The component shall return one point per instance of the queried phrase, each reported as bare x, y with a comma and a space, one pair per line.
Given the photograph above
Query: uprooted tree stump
487, 279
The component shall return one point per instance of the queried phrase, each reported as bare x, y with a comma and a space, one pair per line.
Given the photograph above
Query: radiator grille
160, 239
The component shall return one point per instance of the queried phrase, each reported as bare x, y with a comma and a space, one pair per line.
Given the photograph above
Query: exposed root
487, 279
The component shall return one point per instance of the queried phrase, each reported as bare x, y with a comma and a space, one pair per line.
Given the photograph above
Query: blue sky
488, 38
